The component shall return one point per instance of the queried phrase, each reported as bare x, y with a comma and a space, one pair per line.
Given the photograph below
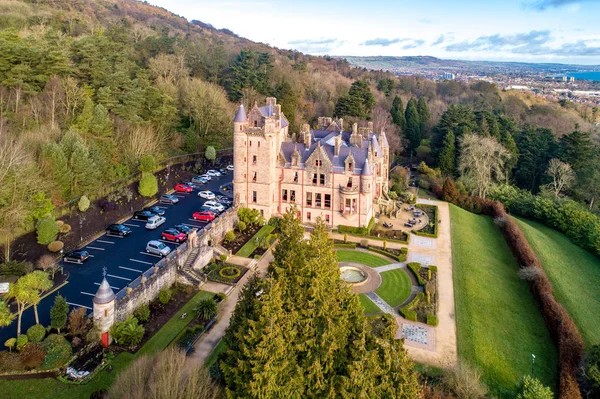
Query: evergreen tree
412, 132
288, 98
148, 185
397, 112
507, 129
85, 173
576, 149
536, 148
85, 117
447, 158
457, 119
59, 313
101, 124
359, 102
423, 114
55, 165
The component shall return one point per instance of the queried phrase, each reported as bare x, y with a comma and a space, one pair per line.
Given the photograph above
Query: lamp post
532, 364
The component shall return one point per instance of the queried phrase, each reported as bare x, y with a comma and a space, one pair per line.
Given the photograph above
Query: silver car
157, 248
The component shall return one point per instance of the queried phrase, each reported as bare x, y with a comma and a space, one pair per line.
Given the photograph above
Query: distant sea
585, 75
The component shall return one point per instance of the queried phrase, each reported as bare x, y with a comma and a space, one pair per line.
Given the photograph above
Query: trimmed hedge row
434, 221
415, 267
357, 230
345, 245
407, 311
560, 324
432, 320
399, 258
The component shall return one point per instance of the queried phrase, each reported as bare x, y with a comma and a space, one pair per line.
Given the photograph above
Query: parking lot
125, 259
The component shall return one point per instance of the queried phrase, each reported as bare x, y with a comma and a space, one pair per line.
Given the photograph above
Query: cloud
380, 41
439, 40
323, 45
312, 42
426, 21
529, 43
413, 44
542, 5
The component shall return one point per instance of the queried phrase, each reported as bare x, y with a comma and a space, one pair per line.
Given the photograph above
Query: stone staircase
188, 271
220, 250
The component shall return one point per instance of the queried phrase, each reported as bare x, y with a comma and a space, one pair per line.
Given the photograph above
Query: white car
229, 168
206, 177
157, 248
206, 195
154, 222
214, 173
214, 205
199, 180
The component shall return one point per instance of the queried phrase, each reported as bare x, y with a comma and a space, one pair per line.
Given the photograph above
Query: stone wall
214, 232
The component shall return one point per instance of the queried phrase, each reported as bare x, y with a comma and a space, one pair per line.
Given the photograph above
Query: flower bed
241, 238
423, 307
224, 273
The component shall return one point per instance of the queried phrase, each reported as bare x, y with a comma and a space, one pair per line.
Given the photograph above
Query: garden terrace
431, 228
253, 245
226, 273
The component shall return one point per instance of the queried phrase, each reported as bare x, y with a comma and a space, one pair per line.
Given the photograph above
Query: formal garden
222, 272
376, 231
251, 236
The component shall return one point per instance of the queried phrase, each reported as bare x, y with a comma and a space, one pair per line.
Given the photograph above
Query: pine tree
59, 313
447, 157
101, 124
412, 132
576, 149
397, 112
55, 164
85, 171
359, 102
423, 114
84, 119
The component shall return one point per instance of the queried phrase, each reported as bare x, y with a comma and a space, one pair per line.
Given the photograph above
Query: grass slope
574, 273
498, 323
50, 388
395, 287
364, 258
252, 243
368, 304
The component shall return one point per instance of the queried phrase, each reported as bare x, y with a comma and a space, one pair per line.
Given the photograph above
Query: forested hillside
90, 87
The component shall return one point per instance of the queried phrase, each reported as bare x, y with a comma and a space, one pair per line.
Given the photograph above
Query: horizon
528, 31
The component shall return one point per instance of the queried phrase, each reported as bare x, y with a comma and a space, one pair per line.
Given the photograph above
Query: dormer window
255, 123
318, 162
349, 185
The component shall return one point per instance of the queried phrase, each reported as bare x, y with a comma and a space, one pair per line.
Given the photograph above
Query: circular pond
351, 274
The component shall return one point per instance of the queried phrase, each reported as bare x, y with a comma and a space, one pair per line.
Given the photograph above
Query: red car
173, 235
183, 188
204, 216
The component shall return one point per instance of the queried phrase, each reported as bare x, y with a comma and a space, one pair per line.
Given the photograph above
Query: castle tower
104, 311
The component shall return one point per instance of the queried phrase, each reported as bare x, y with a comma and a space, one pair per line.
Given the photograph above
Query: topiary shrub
83, 204
65, 228
22, 340
164, 296
432, 320
408, 314
47, 231
142, 313
241, 226
58, 352
147, 163
223, 257
56, 246
10, 343
229, 236
32, 356
36, 333
148, 185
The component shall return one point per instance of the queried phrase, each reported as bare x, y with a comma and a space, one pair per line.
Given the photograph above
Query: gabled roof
241, 116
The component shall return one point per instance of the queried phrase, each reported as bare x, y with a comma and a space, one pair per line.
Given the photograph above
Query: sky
564, 31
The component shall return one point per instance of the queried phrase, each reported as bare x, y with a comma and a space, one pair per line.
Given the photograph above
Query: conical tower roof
366, 170
240, 116
104, 294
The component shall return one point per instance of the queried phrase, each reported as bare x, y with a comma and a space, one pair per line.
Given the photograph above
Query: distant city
578, 83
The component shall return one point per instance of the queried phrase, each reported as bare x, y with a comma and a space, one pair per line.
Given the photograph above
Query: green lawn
363, 258
251, 245
368, 304
215, 353
51, 388
395, 287
574, 273
498, 323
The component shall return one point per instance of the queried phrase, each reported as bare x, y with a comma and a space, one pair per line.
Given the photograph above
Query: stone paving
415, 334
422, 259
391, 266
424, 242
381, 303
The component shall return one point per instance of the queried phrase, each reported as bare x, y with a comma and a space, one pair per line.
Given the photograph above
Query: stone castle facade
326, 172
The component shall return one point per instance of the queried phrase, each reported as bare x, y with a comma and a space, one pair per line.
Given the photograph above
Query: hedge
345, 245
408, 314
373, 237
434, 269
432, 320
415, 267
399, 258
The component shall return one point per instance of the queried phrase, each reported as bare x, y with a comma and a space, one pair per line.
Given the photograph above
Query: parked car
223, 172
157, 248
168, 199
155, 221
214, 173
206, 177
183, 188
143, 215
204, 216
206, 195
173, 235
189, 183
155, 210
78, 256
183, 228
214, 205
229, 168
223, 199
118, 230
208, 209
199, 180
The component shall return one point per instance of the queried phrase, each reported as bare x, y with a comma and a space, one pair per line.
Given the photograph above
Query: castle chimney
306, 136
338, 145
370, 126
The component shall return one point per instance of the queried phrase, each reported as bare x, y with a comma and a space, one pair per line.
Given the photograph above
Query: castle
326, 172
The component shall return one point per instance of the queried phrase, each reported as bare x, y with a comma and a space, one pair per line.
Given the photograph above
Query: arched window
255, 123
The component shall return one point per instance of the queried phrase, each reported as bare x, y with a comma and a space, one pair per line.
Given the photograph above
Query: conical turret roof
240, 116
104, 294
366, 170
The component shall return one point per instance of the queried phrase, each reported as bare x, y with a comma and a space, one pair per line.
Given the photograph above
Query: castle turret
366, 178
104, 311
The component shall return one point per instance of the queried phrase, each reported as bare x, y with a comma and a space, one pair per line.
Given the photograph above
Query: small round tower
104, 311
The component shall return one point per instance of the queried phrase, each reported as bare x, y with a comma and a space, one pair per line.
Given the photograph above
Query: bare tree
12, 156
382, 120
481, 162
54, 94
139, 141
73, 95
562, 176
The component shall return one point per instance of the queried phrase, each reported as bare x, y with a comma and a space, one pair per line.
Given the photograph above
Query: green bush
404, 250
56, 246
164, 296
142, 313
275, 221
15, 268
32, 356
128, 332
371, 224
385, 253
10, 343
415, 301
148, 185
58, 352
415, 267
210, 153
223, 257
353, 230
434, 269
188, 337
229, 236
241, 226
47, 230
221, 296
432, 320
64, 228
36, 333
345, 245
147, 164
532, 388
83, 204
408, 314
22, 340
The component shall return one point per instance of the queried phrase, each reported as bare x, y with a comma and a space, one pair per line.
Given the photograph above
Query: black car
155, 210
143, 215
118, 230
79, 256
183, 228
168, 199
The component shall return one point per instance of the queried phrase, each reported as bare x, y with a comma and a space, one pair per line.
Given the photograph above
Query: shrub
148, 185
221, 296
64, 228
364, 243
251, 217
142, 313
14, 268
22, 340
76, 342
404, 250
241, 226
189, 335
36, 333
9, 361
32, 356
433, 269
210, 153
47, 231
229, 236
10, 343
275, 221
78, 321
56, 246
532, 388
58, 351
465, 382
223, 257
592, 369
415, 267
385, 253
164, 296
94, 335
345, 245
408, 314
205, 309
345, 238
432, 320
128, 332
147, 164
83, 204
